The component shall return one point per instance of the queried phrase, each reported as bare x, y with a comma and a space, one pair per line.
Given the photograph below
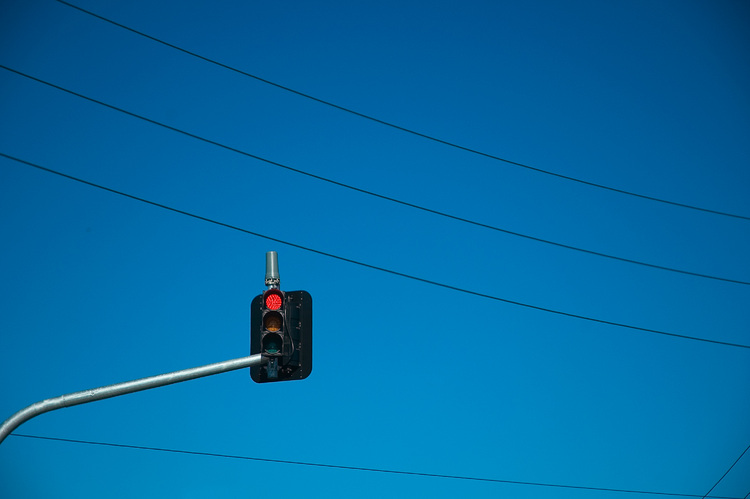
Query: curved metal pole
110, 391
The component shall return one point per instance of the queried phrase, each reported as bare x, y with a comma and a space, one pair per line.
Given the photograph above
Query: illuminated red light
273, 301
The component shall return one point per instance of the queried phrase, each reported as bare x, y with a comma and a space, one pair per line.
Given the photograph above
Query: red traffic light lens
273, 301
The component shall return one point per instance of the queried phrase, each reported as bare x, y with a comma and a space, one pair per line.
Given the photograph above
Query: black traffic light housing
281, 331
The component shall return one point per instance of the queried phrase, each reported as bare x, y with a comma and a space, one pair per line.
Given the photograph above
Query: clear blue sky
649, 97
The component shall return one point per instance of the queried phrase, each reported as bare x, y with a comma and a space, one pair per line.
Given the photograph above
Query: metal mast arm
110, 391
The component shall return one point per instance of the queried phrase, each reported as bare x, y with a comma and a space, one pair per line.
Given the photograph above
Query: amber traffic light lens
272, 322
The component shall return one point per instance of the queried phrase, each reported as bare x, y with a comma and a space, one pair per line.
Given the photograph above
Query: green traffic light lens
272, 344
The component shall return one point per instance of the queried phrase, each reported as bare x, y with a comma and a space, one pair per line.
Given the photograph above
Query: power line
370, 266
371, 193
359, 468
726, 473
397, 127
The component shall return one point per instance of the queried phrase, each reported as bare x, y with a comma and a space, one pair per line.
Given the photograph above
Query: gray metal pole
272, 270
110, 391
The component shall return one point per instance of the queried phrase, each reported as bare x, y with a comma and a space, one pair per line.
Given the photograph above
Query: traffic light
281, 331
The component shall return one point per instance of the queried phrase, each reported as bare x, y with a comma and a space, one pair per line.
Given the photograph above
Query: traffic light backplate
293, 358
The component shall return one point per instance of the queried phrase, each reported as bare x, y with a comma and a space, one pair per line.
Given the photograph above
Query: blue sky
645, 97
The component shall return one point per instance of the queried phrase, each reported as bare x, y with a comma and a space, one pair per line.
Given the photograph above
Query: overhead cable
359, 468
371, 193
370, 266
401, 128
726, 473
